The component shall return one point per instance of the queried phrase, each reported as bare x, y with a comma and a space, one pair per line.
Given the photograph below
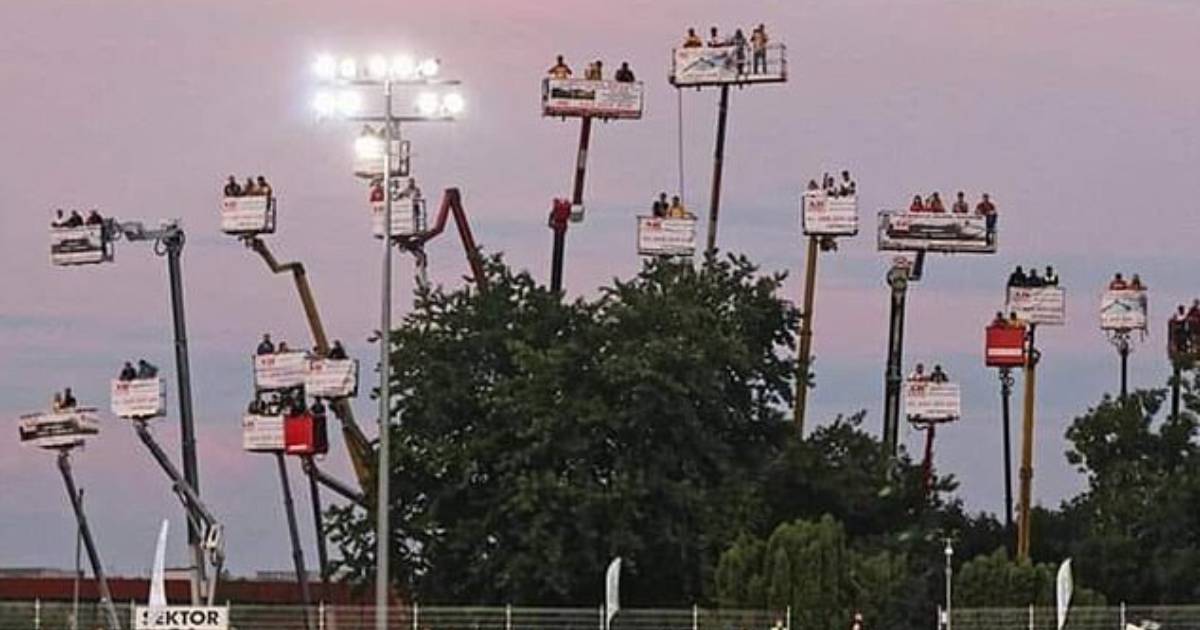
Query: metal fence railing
1078, 618
61, 616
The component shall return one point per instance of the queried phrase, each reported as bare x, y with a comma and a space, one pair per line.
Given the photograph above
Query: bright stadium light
325, 67
427, 103
325, 103
348, 68
453, 103
349, 103
377, 67
429, 68
403, 67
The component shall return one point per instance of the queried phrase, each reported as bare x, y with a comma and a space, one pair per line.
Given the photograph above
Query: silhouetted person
1050, 278
145, 369
938, 376
377, 192
283, 347
660, 205
1118, 283
68, 399
265, 346
94, 218
231, 187
594, 71
934, 204
1017, 278
847, 187
337, 351
714, 39
127, 372
317, 409
1034, 280
560, 69
59, 220
739, 51
917, 205
624, 74
250, 189
73, 221
1135, 283
918, 373
692, 40
999, 321
676, 209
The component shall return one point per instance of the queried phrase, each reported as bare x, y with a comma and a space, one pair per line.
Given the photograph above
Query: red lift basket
1005, 346
305, 435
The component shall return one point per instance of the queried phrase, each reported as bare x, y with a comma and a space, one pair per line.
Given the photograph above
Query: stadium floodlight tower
62, 430
382, 156
826, 212
1124, 309
1031, 302
586, 99
924, 227
92, 241
141, 399
739, 60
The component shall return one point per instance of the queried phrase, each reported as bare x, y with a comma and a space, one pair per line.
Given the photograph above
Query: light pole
378, 72
949, 551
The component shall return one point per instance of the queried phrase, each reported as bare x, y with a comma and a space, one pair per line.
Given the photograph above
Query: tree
537, 438
994, 581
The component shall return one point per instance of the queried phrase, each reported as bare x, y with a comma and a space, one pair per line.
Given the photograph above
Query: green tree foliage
992, 580
537, 438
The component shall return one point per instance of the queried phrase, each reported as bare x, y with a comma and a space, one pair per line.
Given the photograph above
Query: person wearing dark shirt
265, 346
94, 218
739, 51
231, 188
1034, 280
59, 220
960, 205
127, 372
847, 187
337, 351
660, 205
73, 221
1051, 278
624, 74
938, 376
317, 409
282, 348
145, 369
692, 40
1017, 278
1118, 283
917, 205
68, 399
999, 321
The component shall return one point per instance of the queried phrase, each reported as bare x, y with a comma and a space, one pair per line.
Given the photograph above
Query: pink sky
1079, 116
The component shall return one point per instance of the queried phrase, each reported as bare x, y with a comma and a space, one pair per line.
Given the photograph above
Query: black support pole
718, 162
294, 531
1006, 383
64, 466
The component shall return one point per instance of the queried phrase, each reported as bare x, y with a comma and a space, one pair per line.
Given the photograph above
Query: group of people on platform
254, 187
1183, 330
144, 369
63, 401
1119, 283
933, 203
410, 191
919, 375
1012, 321
75, 219
834, 187
756, 45
288, 402
673, 210
267, 346
593, 72
1032, 279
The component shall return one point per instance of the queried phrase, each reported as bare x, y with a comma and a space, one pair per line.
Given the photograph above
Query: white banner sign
78, 245
716, 65
331, 378
59, 428
583, 97
931, 402
666, 237
139, 398
262, 433
181, 618
1123, 309
1038, 305
248, 215
406, 216
279, 370
935, 232
823, 215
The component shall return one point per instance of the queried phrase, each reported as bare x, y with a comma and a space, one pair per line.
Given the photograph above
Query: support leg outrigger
64, 466
199, 516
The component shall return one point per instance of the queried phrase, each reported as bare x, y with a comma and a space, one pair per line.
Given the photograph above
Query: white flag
1063, 591
158, 582
612, 591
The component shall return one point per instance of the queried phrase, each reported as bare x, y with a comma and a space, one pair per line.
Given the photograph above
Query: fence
1082, 618
59, 616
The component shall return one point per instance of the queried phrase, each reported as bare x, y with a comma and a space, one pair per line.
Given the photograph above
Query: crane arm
452, 204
